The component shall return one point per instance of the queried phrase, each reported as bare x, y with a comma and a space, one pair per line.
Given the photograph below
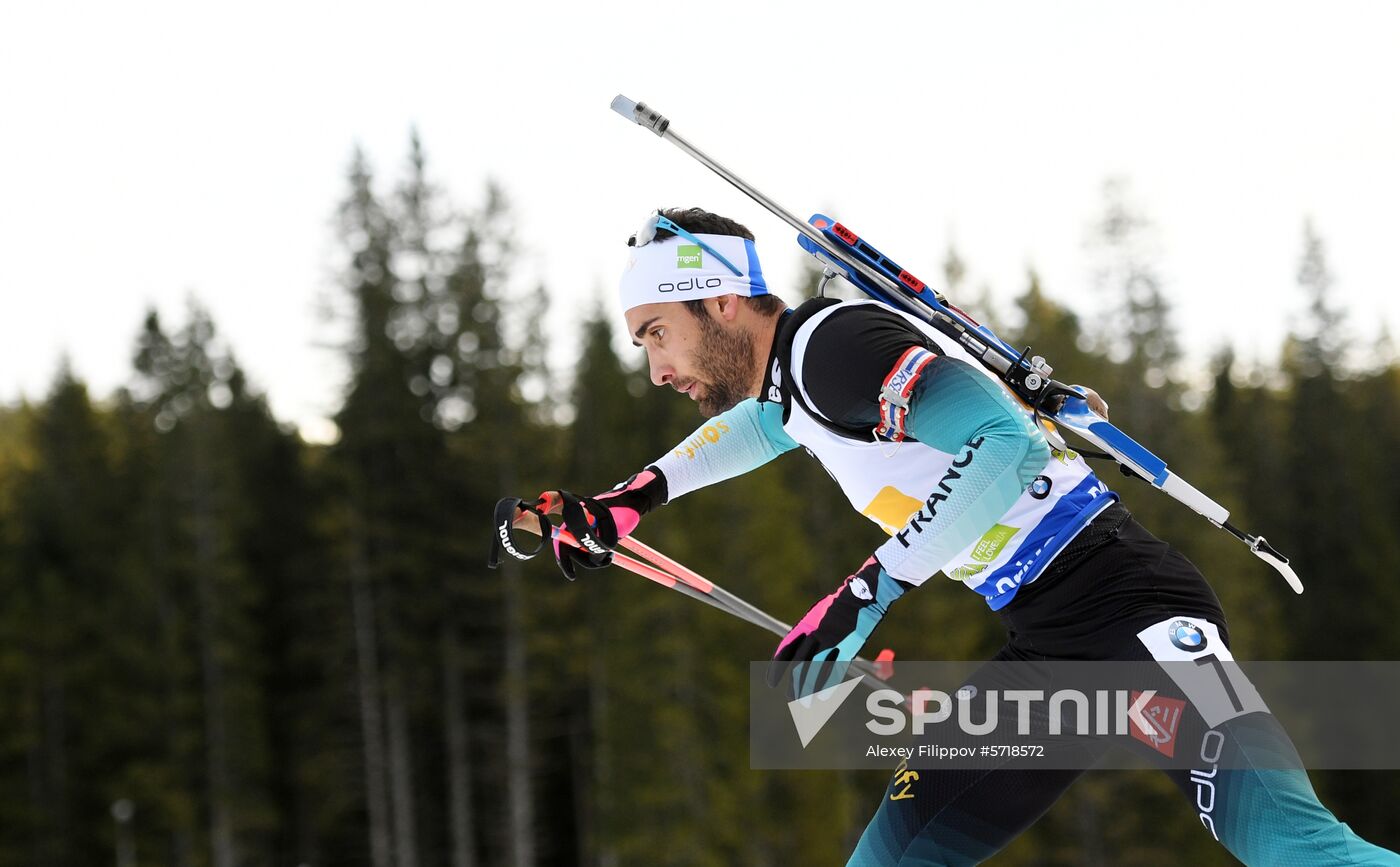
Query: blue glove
834, 630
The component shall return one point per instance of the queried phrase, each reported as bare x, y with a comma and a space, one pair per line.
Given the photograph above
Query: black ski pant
1093, 608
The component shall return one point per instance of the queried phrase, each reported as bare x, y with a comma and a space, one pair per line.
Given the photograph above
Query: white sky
152, 150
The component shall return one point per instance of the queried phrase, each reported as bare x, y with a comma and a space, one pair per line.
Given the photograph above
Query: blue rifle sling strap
894, 394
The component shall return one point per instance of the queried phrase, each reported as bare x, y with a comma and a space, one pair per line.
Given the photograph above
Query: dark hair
701, 222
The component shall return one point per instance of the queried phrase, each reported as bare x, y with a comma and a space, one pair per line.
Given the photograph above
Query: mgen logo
688, 256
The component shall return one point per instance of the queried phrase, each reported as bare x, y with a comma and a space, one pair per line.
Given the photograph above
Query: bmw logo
1187, 636
1040, 487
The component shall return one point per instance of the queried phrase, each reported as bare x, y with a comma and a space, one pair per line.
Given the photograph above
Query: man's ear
727, 306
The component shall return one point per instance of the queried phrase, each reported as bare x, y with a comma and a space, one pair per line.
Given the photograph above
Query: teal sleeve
997, 449
730, 444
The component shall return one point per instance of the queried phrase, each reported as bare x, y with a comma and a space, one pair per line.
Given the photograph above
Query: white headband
688, 268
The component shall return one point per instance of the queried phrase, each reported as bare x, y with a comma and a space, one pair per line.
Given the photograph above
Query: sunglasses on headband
647, 234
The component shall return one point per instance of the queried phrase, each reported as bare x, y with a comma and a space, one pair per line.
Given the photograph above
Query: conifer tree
190, 386
371, 456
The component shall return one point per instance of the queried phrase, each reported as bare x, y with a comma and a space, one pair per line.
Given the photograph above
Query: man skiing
928, 444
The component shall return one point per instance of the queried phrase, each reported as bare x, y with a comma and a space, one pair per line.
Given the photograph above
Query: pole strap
503, 538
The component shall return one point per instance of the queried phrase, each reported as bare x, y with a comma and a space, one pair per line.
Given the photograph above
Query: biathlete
925, 442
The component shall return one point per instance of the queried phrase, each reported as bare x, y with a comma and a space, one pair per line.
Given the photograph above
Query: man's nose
661, 373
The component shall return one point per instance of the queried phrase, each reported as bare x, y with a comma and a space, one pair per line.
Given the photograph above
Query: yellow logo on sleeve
710, 433
892, 509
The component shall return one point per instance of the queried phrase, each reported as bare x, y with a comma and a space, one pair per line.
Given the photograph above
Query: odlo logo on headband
688, 256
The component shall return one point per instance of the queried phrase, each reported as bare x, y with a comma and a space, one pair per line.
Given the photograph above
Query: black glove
596, 523
599, 523
814, 653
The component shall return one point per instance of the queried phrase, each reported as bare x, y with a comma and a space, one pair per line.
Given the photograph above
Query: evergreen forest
221, 644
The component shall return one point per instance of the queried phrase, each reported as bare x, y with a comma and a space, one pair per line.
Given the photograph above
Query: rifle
842, 252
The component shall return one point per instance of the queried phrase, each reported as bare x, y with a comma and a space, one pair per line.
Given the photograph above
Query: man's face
708, 357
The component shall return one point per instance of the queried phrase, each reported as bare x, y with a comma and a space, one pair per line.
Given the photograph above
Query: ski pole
688, 582
688, 578
753, 613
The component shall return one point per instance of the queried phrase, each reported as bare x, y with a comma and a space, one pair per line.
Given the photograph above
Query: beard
724, 364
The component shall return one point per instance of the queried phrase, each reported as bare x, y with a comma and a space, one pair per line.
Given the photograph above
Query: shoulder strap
785, 381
